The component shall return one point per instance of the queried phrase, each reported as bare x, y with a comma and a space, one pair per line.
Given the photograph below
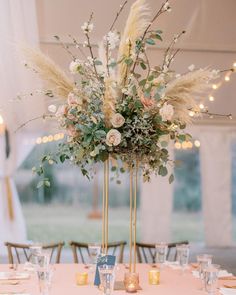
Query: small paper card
103, 259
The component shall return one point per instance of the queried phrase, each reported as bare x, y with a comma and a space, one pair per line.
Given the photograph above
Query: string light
191, 113
197, 143
50, 138
201, 106
39, 140
234, 65
211, 98
227, 78
178, 145
1, 120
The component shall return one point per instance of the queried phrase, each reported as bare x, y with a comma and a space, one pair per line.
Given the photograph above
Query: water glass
45, 280
183, 255
35, 249
94, 252
43, 260
161, 252
107, 278
204, 260
211, 278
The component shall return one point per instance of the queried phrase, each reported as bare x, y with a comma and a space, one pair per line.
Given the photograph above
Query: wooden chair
82, 250
23, 251
146, 253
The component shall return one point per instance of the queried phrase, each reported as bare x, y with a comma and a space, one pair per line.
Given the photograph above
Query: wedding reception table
64, 282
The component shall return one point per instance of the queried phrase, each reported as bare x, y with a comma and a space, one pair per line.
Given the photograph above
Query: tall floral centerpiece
116, 105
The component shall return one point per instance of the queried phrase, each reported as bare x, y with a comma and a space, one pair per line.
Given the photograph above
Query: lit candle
131, 282
154, 277
82, 278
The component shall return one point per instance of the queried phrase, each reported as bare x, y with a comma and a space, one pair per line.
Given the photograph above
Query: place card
103, 259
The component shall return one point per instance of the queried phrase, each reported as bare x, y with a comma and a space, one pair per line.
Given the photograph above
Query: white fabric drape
18, 25
216, 175
156, 209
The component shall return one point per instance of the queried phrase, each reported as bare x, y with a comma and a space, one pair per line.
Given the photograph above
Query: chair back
146, 253
81, 251
21, 252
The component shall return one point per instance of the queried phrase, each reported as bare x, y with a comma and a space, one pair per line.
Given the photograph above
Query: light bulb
178, 145
1, 120
191, 114
39, 140
227, 78
201, 106
197, 143
211, 98
214, 86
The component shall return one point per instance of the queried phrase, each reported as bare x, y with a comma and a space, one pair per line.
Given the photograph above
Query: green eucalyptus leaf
171, 178
150, 41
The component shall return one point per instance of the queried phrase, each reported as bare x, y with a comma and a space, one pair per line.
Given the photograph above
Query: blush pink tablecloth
172, 282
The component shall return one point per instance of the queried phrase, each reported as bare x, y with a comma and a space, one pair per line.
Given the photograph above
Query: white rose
117, 120
52, 108
71, 99
113, 137
74, 66
166, 112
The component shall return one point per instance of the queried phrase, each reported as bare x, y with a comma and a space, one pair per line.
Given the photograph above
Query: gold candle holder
131, 282
154, 277
82, 278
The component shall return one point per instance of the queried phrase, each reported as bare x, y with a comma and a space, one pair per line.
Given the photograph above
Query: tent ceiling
210, 38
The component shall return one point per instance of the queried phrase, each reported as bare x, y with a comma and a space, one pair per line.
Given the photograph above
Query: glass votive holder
82, 278
131, 282
154, 277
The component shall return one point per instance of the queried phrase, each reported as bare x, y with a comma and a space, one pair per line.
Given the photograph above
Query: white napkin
221, 274
14, 276
227, 291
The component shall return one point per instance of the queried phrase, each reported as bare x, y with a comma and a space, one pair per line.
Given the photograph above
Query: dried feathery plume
137, 22
109, 101
183, 92
55, 78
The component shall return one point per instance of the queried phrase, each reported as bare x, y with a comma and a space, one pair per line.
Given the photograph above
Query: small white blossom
191, 67
117, 120
50, 162
166, 112
215, 74
71, 99
74, 66
113, 137
87, 27
113, 39
85, 44
52, 108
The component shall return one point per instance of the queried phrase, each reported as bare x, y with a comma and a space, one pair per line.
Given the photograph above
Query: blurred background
200, 206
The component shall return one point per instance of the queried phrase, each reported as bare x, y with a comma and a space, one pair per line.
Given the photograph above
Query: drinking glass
43, 260
161, 253
35, 249
211, 278
183, 255
204, 260
107, 278
45, 280
94, 251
